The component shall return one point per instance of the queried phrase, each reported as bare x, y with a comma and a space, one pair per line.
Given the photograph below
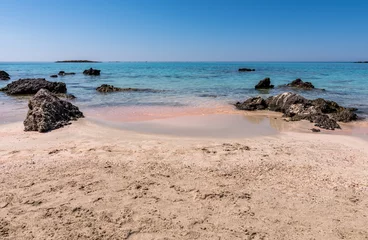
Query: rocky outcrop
32, 86
298, 83
62, 73
264, 84
255, 103
325, 114
246, 70
4, 75
92, 72
105, 88
47, 112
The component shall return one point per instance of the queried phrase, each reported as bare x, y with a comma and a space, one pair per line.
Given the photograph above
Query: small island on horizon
361, 62
77, 61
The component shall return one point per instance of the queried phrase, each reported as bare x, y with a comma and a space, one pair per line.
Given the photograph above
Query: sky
184, 30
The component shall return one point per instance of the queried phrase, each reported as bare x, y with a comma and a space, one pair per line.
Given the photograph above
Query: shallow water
192, 84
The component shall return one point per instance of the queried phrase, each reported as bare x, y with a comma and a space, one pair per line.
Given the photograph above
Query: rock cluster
91, 71
4, 75
325, 114
32, 86
47, 112
264, 84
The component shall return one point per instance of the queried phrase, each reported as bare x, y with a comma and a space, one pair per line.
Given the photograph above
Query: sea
189, 84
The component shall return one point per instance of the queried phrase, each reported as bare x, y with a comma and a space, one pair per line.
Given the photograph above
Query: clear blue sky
184, 30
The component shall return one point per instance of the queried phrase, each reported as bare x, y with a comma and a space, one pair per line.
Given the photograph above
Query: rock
281, 102
255, 103
54, 76
264, 84
105, 88
323, 121
62, 73
208, 95
91, 71
315, 130
345, 115
32, 86
48, 112
298, 83
4, 75
323, 113
246, 70
65, 95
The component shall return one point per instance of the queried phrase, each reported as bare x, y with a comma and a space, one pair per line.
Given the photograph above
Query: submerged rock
54, 76
32, 86
264, 84
48, 112
246, 70
105, 88
62, 73
91, 71
4, 75
255, 103
298, 83
325, 114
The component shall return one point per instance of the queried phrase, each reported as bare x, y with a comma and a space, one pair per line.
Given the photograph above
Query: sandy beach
91, 181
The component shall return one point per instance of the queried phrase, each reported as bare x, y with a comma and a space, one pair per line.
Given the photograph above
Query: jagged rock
48, 112
54, 76
264, 84
281, 102
315, 130
256, 103
105, 88
345, 115
298, 83
246, 70
62, 73
4, 75
32, 86
323, 113
91, 71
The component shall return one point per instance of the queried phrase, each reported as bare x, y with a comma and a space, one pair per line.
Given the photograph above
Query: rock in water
91, 71
4, 75
54, 76
246, 70
32, 86
47, 112
63, 73
264, 84
256, 103
298, 83
105, 88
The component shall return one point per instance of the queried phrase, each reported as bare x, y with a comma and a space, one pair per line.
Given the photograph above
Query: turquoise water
190, 84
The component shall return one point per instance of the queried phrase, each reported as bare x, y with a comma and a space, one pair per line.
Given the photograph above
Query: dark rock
208, 95
91, 71
105, 88
264, 84
4, 75
282, 102
62, 73
48, 112
344, 115
54, 76
32, 86
298, 83
315, 130
323, 121
246, 70
255, 103
323, 113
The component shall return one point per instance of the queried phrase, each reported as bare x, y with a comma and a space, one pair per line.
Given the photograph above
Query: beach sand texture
86, 181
